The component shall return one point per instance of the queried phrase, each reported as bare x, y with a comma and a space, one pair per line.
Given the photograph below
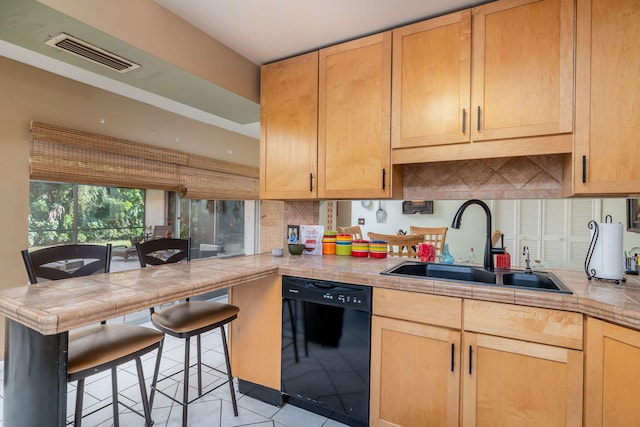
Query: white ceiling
267, 30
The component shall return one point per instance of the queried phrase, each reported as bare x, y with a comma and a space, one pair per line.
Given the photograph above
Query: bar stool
101, 347
185, 320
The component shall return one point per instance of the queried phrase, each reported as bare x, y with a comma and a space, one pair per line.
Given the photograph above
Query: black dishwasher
326, 343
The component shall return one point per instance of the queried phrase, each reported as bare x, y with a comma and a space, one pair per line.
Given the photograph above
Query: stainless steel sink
542, 281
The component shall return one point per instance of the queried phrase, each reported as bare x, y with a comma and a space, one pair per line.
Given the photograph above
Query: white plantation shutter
554, 226
555, 230
529, 230
504, 219
581, 211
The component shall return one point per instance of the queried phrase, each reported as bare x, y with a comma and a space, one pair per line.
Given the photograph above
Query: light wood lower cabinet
495, 365
255, 336
522, 366
612, 375
415, 359
415, 374
509, 382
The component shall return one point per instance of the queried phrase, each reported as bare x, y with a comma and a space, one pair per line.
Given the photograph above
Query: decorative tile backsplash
276, 215
534, 177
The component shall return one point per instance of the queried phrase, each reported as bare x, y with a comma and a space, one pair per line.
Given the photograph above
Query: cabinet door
289, 128
522, 69
431, 81
354, 119
509, 383
612, 375
607, 87
415, 374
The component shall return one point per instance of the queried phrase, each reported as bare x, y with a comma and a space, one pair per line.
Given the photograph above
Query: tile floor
213, 410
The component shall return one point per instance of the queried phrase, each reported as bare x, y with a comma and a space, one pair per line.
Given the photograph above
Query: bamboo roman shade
69, 155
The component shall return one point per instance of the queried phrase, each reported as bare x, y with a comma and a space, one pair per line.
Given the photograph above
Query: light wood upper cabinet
289, 128
354, 149
607, 108
522, 75
431, 81
515, 57
612, 375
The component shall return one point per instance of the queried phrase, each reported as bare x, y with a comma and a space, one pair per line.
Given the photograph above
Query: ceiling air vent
92, 53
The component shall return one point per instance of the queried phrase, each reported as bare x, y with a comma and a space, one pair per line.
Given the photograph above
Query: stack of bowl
378, 249
329, 243
343, 244
360, 248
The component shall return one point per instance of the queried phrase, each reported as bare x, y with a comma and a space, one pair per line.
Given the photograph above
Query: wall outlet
360, 221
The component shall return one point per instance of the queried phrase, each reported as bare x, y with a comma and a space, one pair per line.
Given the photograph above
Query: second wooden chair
433, 235
354, 230
399, 245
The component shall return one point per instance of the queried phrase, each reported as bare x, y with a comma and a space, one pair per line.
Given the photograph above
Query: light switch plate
360, 221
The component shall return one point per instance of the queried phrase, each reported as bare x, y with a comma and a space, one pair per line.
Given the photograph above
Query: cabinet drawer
416, 307
554, 327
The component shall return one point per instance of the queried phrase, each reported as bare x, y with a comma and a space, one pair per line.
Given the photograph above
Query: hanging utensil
381, 215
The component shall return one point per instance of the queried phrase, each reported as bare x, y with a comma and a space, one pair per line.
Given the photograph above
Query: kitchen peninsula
39, 316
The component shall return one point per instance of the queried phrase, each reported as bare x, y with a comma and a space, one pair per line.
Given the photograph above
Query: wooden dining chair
399, 245
434, 235
101, 347
354, 230
185, 320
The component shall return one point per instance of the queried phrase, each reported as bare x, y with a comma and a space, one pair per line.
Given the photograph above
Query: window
61, 213
216, 227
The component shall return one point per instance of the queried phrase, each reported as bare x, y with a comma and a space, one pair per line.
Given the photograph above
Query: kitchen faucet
489, 250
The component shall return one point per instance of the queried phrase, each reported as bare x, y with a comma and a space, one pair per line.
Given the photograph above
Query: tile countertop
57, 307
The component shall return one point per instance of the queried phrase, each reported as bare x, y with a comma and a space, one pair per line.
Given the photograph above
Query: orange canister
329, 242
328, 246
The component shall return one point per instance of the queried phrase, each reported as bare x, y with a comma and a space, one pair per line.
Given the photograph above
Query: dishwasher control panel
357, 297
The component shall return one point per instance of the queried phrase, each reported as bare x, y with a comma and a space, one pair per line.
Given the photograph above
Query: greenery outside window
62, 213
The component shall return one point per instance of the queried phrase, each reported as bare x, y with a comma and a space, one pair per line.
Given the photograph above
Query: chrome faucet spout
489, 250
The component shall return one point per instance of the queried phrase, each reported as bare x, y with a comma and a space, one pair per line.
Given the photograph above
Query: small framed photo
633, 215
293, 233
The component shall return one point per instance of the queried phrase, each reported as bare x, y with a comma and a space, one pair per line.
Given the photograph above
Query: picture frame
293, 233
633, 215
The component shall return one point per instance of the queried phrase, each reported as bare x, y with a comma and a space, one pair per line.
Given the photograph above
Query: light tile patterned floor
213, 410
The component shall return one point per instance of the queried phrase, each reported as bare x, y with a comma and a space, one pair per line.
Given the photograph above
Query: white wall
155, 208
